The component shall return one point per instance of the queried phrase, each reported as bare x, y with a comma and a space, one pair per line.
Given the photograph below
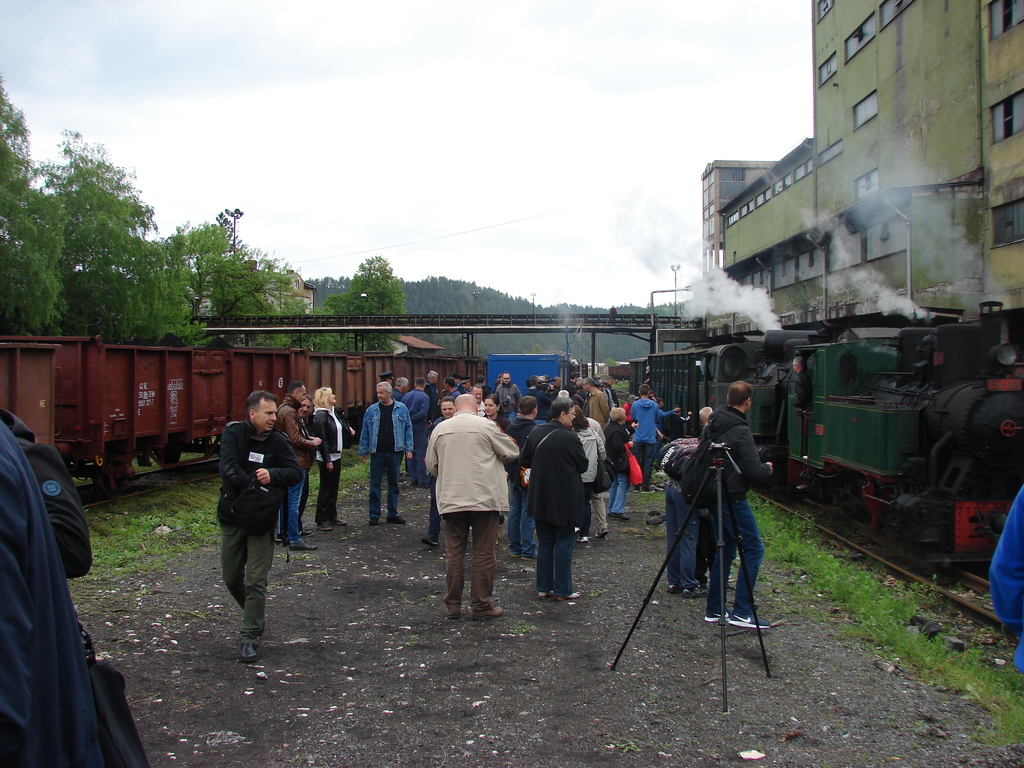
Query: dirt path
359, 667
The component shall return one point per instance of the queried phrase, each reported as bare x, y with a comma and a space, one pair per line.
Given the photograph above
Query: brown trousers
457, 526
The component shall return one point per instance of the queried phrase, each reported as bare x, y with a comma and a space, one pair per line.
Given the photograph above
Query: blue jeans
588, 511
294, 532
683, 563
434, 520
753, 554
417, 468
381, 463
555, 544
645, 453
617, 494
520, 525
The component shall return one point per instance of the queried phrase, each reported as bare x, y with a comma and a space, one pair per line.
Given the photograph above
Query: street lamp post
475, 294
533, 298
229, 220
675, 288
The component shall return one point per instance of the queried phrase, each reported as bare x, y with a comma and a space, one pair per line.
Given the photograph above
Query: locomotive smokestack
994, 330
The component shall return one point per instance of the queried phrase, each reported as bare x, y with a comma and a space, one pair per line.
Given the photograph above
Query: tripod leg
654, 585
748, 582
723, 615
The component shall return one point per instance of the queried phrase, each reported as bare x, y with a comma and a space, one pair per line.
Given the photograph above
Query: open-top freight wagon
108, 408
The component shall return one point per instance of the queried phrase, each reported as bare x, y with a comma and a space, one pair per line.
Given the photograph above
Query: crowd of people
555, 459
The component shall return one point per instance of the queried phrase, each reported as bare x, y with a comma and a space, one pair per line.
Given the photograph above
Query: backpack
674, 456
695, 467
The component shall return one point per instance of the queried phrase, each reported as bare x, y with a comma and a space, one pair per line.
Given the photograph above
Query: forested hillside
442, 295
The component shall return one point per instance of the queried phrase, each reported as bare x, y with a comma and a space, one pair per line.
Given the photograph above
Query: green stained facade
910, 194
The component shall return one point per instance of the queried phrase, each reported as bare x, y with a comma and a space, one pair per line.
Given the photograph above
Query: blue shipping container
521, 367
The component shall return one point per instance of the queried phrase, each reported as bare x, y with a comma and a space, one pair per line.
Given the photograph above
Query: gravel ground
359, 667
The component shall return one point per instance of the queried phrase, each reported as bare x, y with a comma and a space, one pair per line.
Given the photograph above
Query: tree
115, 281
373, 290
223, 282
30, 234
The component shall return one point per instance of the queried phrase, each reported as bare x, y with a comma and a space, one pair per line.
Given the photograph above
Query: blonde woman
335, 435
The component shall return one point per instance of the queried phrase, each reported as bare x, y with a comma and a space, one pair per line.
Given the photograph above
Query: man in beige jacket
467, 455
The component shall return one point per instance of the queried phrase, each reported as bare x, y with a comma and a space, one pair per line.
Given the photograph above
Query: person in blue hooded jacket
1006, 576
646, 417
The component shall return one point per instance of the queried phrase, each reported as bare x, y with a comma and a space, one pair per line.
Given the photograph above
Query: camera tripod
719, 452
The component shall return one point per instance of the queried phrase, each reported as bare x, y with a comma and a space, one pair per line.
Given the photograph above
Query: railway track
974, 605
202, 467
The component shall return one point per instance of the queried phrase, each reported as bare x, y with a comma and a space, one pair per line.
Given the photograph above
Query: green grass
128, 535
878, 611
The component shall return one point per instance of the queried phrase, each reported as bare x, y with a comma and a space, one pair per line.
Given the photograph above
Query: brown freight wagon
118, 405
27, 386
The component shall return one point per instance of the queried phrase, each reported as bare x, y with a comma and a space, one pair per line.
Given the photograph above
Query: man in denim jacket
386, 435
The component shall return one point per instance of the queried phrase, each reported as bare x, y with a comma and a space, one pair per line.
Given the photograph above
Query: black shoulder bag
256, 507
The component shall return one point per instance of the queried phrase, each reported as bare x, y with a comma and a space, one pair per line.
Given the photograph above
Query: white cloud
341, 127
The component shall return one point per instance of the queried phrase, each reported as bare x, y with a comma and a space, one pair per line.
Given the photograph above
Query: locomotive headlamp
1005, 354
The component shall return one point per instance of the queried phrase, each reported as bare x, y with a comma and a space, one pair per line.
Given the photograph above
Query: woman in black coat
335, 435
557, 461
616, 437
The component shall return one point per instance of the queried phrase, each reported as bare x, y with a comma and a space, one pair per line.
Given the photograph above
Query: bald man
467, 455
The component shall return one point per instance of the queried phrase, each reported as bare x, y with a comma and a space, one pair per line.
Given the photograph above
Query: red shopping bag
636, 474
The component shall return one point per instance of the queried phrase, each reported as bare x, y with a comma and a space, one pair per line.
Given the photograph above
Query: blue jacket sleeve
1006, 572
407, 430
364, 432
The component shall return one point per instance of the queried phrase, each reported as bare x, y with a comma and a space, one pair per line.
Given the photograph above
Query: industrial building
909, 197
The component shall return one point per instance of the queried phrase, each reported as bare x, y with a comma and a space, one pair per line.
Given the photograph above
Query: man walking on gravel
252, 455
467, 454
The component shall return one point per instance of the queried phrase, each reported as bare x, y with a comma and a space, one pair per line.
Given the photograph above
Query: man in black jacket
728, 425
249, 450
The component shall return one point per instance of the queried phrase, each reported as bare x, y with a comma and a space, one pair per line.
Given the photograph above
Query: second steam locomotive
918, 430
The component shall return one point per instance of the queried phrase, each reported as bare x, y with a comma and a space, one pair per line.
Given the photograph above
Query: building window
1008, 117
802, 170
763, 198
826, 70
733, 174
733, 218
830, 152
1008, 222
861, 36
1005, 14
824, 6
866, 184
865, 109
779, 186
890, 9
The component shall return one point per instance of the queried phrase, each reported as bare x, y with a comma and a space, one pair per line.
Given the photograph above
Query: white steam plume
719, 294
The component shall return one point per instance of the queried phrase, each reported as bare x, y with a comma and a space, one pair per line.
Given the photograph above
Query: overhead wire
451, 234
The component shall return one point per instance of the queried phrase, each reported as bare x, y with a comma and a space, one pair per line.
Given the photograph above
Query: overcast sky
341, 129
